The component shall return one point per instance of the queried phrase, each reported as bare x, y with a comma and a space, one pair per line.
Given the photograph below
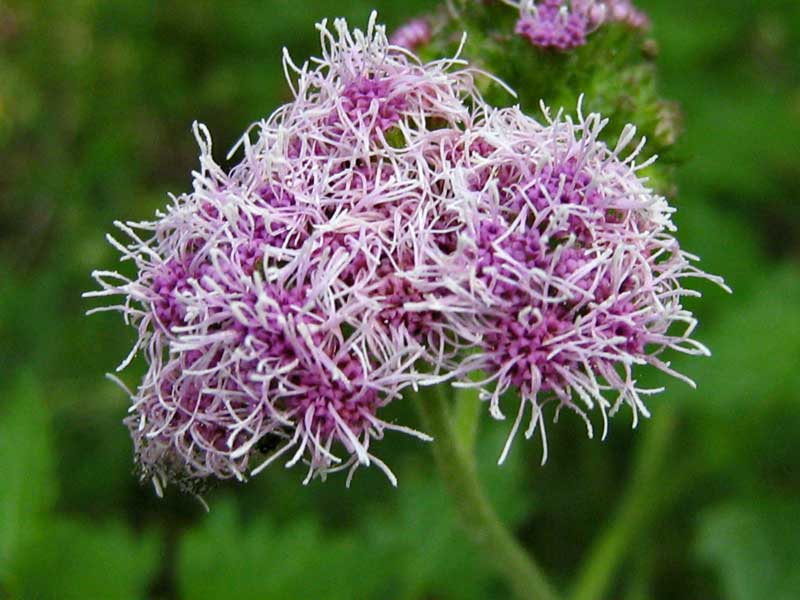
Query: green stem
638, 507
466, 414
638, 588
457, 468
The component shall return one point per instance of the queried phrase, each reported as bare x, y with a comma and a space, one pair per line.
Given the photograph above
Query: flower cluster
386, 230
568, 274
412, 34
269, 301
565, 24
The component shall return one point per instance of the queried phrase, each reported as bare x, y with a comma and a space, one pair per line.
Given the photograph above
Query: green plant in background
385, 231
98, 89
612, 63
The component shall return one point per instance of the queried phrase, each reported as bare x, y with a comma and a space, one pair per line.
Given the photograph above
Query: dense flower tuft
569, 266
270, 301
383, 231
566, 24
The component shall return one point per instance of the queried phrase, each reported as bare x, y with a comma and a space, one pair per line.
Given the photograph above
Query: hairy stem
457, 468
639, 505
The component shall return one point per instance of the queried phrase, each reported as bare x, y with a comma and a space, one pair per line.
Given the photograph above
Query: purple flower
558, 24
565, 24
623, 11
412, 35
270, 301
569, 275
387, 230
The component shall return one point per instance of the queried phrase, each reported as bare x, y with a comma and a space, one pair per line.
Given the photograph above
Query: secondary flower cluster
412, 34
565, 24
387, 230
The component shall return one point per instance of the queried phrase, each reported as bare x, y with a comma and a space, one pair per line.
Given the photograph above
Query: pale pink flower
270, 301
413, 34
569, 277
566, 24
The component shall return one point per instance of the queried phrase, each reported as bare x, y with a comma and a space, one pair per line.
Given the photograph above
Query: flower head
570, 275
412, 34
566, 24
558, 24
270, 300
623, 11
386, 230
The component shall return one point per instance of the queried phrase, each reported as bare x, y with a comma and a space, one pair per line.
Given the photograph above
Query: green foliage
96, 103
225, 558
410, 547
614, 73
430, 554
26, 462
745, 414
735, 67
765, 368
754, 547
47, 556
69, 559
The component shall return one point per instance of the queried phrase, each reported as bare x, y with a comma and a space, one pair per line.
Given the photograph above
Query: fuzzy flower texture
383, 231
566, 24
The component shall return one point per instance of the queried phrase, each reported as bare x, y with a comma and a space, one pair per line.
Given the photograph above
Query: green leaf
755, 345
755, 549
727, 245
27, 488
420, 535
77, 560
227, 558
430, 554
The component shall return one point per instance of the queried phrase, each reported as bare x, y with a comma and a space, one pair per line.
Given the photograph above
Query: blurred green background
96, 102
